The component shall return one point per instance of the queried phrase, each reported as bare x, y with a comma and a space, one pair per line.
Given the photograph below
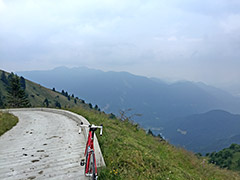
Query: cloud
231, 24
178, 38
172, 38
213, 8
2, 6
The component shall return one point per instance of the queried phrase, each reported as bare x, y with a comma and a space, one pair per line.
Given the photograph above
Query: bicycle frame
90, 151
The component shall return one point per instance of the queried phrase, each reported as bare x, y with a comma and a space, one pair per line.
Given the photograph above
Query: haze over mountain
206, 132
155, 99
192, 40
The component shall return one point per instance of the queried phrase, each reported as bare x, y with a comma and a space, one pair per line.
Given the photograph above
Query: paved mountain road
43, 145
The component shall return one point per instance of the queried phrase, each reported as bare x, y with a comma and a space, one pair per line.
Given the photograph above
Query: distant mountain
207, 132
155, 99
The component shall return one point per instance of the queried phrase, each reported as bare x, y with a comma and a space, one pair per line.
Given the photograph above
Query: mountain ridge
114, 89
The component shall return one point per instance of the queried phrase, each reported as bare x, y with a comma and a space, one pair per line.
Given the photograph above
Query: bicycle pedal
82, 163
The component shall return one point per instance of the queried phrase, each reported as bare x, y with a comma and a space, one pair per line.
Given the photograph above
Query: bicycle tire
94, 177
86, 163
92, 167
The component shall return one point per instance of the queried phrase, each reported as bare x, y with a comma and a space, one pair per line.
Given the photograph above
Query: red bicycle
90, 161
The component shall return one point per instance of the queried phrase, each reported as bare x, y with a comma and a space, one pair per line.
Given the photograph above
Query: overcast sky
196, 40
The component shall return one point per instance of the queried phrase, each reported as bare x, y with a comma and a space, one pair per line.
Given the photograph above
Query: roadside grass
130, 153
7, 121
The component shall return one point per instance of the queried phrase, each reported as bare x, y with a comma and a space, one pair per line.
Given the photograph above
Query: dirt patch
40, 150
53, 137
32, 177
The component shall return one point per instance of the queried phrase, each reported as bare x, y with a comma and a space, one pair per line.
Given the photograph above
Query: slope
40, 96
130, 153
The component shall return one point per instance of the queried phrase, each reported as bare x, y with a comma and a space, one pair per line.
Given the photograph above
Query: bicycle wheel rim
93, 167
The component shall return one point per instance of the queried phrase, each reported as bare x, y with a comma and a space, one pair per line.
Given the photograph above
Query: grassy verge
130, 153
7, 121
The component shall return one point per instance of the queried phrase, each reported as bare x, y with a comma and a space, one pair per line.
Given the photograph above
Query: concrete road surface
43, 145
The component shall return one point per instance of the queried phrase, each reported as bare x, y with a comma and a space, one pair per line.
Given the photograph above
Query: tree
112, 116
160, 137
69, 98
96, 107
58, 105
238, 162
66, 94
10, 76
90, 105
1, 101
4, 78
54, 89
226, 154
46, 102
75, 101
22, 83
17, 97
150, 132
235, 147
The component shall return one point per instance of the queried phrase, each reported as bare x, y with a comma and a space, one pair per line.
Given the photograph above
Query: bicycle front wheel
92, 167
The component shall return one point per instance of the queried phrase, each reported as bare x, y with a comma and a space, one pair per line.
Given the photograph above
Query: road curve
45, 144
